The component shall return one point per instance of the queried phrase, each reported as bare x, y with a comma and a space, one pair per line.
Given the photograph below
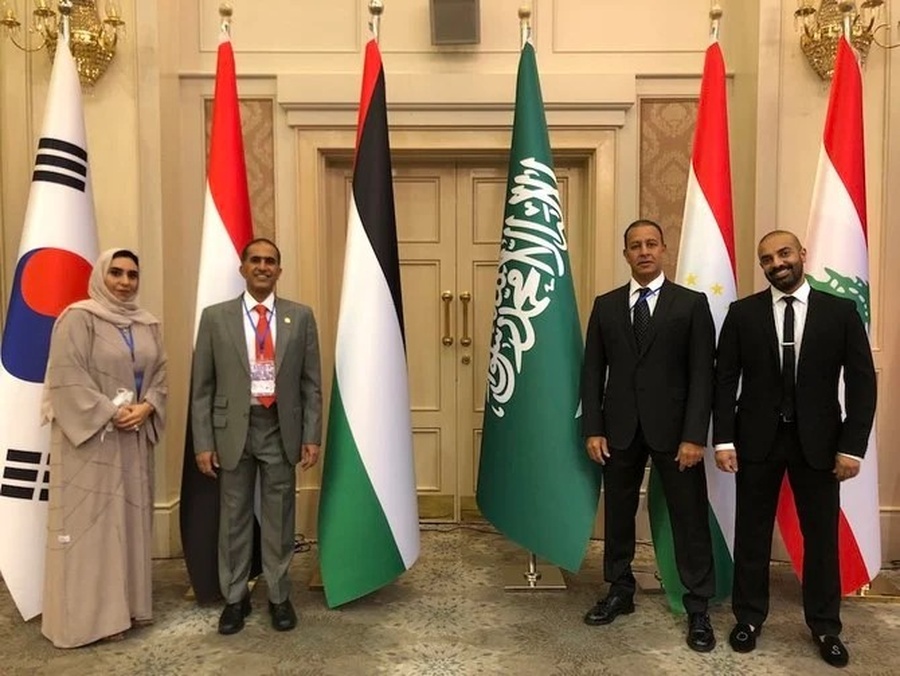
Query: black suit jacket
834, 338
667, 387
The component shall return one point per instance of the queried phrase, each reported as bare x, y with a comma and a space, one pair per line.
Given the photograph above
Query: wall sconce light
92, 39
820, 30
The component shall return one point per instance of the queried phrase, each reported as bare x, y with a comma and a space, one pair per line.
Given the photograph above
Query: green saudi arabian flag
536, 483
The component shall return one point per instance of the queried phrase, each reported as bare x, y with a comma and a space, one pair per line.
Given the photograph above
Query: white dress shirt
634, 294
251, 319
801, 307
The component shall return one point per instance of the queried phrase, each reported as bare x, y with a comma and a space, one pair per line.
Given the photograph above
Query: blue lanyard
260, 342
129, 339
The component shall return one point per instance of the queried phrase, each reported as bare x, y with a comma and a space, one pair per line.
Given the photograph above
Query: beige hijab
104, 304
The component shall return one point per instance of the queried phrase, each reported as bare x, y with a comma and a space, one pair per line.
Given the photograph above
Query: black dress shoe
231, 621
608, 609
742, 638
700, 636
283, 616
833, 650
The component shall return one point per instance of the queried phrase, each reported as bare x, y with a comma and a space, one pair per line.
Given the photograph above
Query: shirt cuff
848, 455
729, 446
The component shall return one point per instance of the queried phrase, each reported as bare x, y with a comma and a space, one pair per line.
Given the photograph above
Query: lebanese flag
837, 262
368, 514
56, 253
705, 263
227, 229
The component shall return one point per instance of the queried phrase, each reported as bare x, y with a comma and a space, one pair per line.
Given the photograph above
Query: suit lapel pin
287, 320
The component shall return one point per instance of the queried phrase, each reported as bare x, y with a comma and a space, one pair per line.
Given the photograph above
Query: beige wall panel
667, 132
427, 454
257, 127
285, 25
421, 287
607, 26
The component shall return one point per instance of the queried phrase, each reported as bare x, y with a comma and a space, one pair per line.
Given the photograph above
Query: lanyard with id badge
262, 369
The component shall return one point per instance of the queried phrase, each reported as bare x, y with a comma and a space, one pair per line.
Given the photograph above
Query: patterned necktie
265, 349
788, 363
641, 319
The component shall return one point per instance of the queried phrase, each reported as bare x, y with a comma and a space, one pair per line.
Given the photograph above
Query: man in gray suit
256, 406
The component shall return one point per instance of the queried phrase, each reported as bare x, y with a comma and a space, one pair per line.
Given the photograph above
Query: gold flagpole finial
715, 16
376, 9
525, 24
226, 11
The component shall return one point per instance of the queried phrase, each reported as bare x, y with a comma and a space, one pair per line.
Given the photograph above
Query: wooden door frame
317, 146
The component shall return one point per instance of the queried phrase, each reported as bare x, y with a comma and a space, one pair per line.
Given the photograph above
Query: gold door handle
447, 339
465, 297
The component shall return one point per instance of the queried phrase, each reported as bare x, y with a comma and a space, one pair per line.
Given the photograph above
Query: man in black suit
787, 346
646, 391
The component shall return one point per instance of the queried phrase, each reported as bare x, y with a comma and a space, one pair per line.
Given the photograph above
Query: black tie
641, 319
788, 363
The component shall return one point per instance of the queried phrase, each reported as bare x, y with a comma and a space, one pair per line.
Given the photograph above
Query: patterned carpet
450, 615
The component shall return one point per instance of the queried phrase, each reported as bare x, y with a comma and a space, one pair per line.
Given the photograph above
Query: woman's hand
130, 418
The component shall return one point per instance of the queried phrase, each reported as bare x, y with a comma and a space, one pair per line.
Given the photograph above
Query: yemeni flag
536, 484
837, 262
368, 514
227, 229
56, 254
705, 263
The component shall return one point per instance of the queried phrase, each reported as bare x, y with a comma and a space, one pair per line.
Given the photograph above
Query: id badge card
262, 379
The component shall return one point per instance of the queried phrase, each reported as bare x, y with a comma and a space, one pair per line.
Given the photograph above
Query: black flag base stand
648, 581
880, 589
548, 578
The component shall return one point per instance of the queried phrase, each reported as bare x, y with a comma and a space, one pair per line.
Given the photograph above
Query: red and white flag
705, 263
838, 263
227, 229
56, 253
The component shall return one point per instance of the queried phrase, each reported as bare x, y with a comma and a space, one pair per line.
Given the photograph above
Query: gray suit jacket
220, 390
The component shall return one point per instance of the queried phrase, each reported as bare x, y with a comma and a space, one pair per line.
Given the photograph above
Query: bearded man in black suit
787, 347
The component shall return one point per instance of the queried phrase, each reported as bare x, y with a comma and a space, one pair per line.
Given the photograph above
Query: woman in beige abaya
104, 396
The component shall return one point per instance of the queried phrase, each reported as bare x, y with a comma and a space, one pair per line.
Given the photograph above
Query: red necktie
265, 350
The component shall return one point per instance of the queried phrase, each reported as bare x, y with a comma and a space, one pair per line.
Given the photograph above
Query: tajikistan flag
56, 253
837, 262
705, 263
368, 515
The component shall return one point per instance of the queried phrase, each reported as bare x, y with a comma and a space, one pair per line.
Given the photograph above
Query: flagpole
532, 579
226, 11
715, 15
524, 25
376, 8
65, 11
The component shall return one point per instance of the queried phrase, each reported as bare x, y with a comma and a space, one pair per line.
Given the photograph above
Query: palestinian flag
368, 514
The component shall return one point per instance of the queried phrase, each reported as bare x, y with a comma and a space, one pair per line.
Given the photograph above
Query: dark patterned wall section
257, 123
667, 130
